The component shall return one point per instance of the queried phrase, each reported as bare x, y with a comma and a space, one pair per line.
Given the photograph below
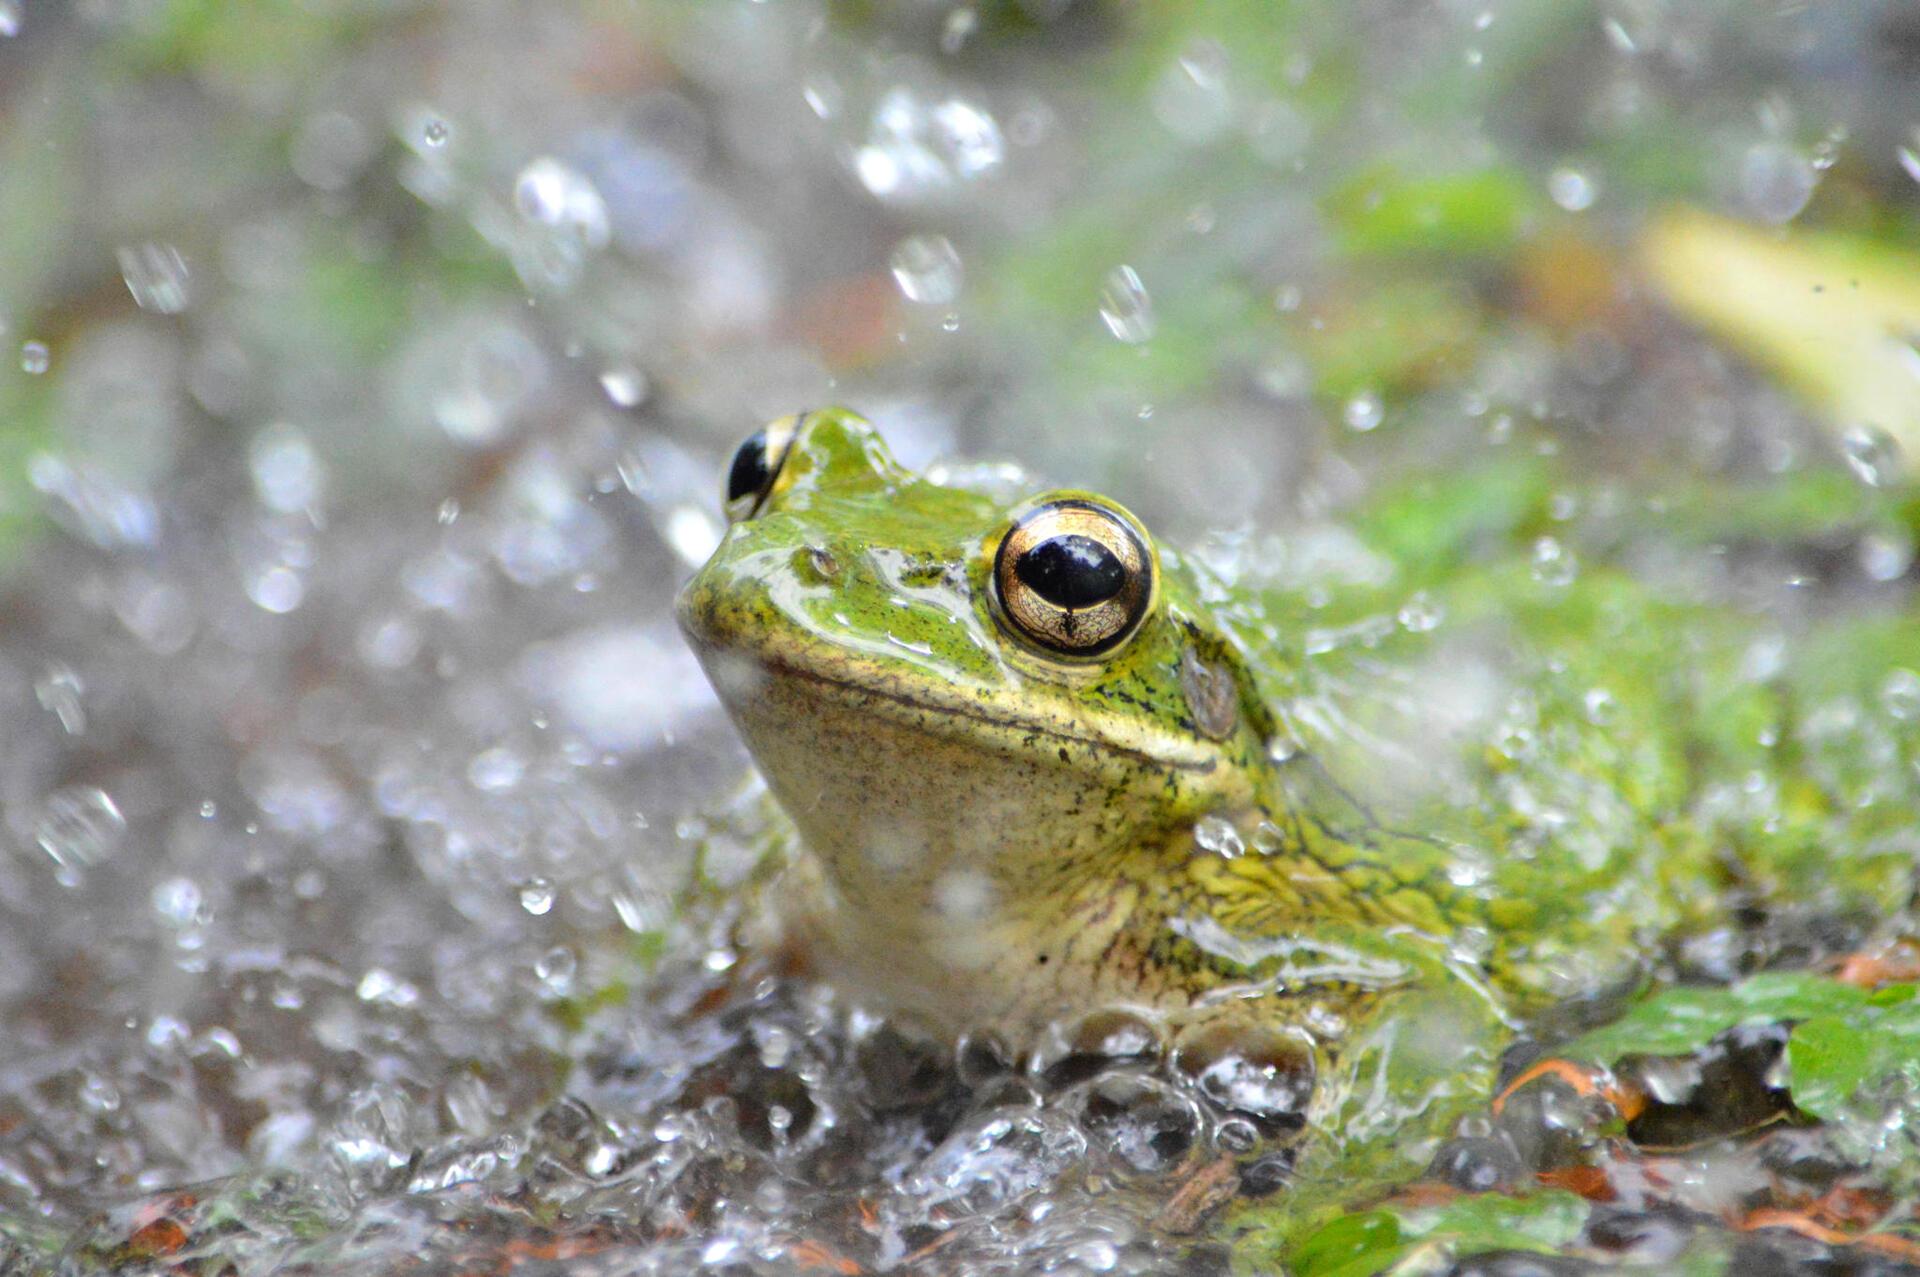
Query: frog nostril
1071, 571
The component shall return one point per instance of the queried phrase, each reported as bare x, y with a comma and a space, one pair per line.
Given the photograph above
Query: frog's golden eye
756, 467
1074, 577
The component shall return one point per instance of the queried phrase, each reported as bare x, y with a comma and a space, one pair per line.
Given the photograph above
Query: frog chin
947, 855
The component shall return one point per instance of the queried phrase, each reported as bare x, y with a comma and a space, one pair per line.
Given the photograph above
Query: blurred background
369, 370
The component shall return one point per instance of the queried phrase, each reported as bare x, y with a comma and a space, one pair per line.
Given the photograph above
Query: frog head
971, 711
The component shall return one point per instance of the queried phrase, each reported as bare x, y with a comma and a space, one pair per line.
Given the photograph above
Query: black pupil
750, 474
1071, 571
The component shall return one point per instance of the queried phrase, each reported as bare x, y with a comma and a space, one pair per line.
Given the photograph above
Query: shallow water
373, 369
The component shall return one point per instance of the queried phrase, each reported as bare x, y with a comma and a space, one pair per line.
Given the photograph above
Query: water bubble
1600, 706
1421, 613
12, 17
1572, 189
435, 132
537, 896
157, 277
1619, 37
1217, 835
59, 691
555, 970
35, 358
1256, 1071
79, 826
917, 148
286, 473
1872, 454
1900, 694
495, 770
1553, 564
1125, 306
1776, 181
927, 268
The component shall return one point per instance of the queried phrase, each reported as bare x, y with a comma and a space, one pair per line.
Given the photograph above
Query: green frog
1335, 812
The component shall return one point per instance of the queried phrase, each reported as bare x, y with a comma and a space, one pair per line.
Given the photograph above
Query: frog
1334, 832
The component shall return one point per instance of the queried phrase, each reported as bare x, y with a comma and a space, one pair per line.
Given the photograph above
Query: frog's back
1554, 763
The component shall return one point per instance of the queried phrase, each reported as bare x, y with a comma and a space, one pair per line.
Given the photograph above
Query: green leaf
1679, 1021
1365, 1244
1350, 1246
1831, 1057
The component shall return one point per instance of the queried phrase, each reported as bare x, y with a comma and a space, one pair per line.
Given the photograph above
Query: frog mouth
1026, 727
743, 670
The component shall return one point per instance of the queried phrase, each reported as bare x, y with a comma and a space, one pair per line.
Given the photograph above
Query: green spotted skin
1446, 768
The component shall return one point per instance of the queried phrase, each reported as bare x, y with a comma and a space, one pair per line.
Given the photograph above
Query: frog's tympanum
1352, 803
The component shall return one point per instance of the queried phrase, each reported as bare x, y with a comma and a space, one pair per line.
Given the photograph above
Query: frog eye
1074, 577
756, 466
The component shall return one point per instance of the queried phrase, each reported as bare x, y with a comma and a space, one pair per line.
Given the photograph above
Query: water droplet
286, 474
1872, 454
178, 901
1192, 98
959, 26
1619, 37
1776, 181
1572, 189
12, 16
1900, 695
917, 148
550, 194
157, 277
79, 826
35, 358
1600, 706
537, 896
693, 533
1125, 306
435, 132
1909, 161
1553, 563
625, 386
495, 770
1885, 556
555, 969
381, 985
1421, 613
59, 691
1364, 411
927, 268
278, 589
1217, 835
